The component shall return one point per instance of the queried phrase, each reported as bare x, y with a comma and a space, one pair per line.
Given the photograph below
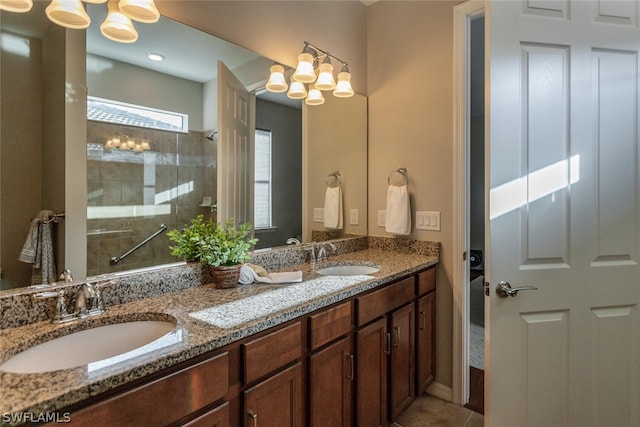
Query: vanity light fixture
128, 144
310, 70
72, 14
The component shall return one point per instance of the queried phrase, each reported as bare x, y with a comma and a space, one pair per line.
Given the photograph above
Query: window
107, 110
262, 190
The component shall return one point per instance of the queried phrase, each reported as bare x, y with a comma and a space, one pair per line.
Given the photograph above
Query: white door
564, 213
235, 148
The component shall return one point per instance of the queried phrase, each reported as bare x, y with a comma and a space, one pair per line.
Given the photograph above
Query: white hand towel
398, 220
333, 207
249, 275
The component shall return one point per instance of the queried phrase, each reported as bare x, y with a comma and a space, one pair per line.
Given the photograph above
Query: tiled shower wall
131, 194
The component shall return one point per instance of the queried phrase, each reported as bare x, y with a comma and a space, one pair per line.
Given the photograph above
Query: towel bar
336, 178
403, 172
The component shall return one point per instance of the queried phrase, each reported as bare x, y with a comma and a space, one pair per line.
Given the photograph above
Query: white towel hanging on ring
333, 208
398, 218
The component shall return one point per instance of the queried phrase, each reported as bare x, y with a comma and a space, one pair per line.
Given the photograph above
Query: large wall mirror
151, 151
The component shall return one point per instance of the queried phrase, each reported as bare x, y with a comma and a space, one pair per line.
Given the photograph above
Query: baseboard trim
441, 391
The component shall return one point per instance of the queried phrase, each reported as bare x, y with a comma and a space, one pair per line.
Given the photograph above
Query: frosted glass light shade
276, 82
117, 26
115, 142
315, 97
19, 6
325, 77
140, 10
297, 90
304, 71
343, 87
68, 13
145, 145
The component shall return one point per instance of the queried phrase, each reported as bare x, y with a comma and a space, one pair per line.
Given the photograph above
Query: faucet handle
61, 313
98, 306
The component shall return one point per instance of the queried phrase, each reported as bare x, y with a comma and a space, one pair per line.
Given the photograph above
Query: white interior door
564, 202
236, 124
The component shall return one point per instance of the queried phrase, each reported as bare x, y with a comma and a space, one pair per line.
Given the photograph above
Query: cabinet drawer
330, 324
426, 281
218, 417
384, 300
272, 351
165, 400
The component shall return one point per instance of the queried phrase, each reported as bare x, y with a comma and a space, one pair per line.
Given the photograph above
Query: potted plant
224, 247
189, 241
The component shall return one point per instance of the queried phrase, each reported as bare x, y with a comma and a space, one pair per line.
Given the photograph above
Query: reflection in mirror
170, 178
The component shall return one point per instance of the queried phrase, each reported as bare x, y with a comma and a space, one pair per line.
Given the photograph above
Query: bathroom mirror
35, 179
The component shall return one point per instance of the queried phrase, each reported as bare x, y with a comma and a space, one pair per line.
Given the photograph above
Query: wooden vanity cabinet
402, 377
331, 370
425, 330
372, 350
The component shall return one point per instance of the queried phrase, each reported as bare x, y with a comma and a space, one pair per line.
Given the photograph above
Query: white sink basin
348, 270
84, 347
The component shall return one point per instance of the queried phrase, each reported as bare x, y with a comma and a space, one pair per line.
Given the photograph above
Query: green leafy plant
213, 244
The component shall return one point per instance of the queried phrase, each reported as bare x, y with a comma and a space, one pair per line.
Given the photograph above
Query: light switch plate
318, 214
426, 220
382, 218
353, 217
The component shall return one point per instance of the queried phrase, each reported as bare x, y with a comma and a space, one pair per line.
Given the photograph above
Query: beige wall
410, 59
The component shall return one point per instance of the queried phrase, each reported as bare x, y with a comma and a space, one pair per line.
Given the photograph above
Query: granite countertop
206, 318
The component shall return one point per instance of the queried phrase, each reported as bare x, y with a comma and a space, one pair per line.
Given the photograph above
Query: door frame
463, 14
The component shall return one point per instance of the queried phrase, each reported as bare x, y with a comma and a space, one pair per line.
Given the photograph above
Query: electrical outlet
318, 214
353, 216
382, 218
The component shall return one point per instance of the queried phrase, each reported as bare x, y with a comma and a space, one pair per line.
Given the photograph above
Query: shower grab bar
117, 259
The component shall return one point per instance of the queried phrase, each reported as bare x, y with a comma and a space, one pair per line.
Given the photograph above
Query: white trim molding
463, 14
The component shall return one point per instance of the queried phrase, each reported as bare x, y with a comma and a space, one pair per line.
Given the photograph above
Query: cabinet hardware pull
388, 351
423, 320
254, 417
351, 375
397, 341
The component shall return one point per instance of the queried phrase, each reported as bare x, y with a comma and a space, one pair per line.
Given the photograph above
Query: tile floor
429, 411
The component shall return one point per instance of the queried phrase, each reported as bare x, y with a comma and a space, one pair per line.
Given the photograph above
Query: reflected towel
249, 275
333, 207
38, 249
398, 220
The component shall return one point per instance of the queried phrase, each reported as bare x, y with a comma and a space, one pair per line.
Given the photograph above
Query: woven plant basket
225, 277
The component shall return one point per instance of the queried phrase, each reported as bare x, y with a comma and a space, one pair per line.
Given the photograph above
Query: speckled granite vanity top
201, 322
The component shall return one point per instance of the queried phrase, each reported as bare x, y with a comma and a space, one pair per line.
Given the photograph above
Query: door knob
504, 289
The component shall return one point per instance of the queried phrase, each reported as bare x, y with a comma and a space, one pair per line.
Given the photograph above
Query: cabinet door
277, 401
401, 390
331, 375
425, 353
372, 347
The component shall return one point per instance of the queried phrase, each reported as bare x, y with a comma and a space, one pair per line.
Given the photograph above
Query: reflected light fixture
310, 70
19, 6
72, 14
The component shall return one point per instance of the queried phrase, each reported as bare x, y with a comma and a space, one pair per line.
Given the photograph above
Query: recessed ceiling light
155, 56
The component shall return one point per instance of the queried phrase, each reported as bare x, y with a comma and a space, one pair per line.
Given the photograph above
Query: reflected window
107, 110
263, 182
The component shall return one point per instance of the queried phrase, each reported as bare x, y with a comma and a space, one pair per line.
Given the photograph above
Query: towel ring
401, 171
336, 179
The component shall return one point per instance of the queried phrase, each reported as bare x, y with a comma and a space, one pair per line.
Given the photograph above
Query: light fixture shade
19, 6
115, 141
304, 71
68, 13
145, 145
140, 10
117, 26
343, 87
315, 97
325, 77
131, 143
297, 90
276, 82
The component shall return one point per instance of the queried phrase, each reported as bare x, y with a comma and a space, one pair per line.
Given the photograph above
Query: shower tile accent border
20, 308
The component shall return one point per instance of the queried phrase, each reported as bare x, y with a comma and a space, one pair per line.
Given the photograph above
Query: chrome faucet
86, 300
61, 313
293, 241
67, 276
326, 247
